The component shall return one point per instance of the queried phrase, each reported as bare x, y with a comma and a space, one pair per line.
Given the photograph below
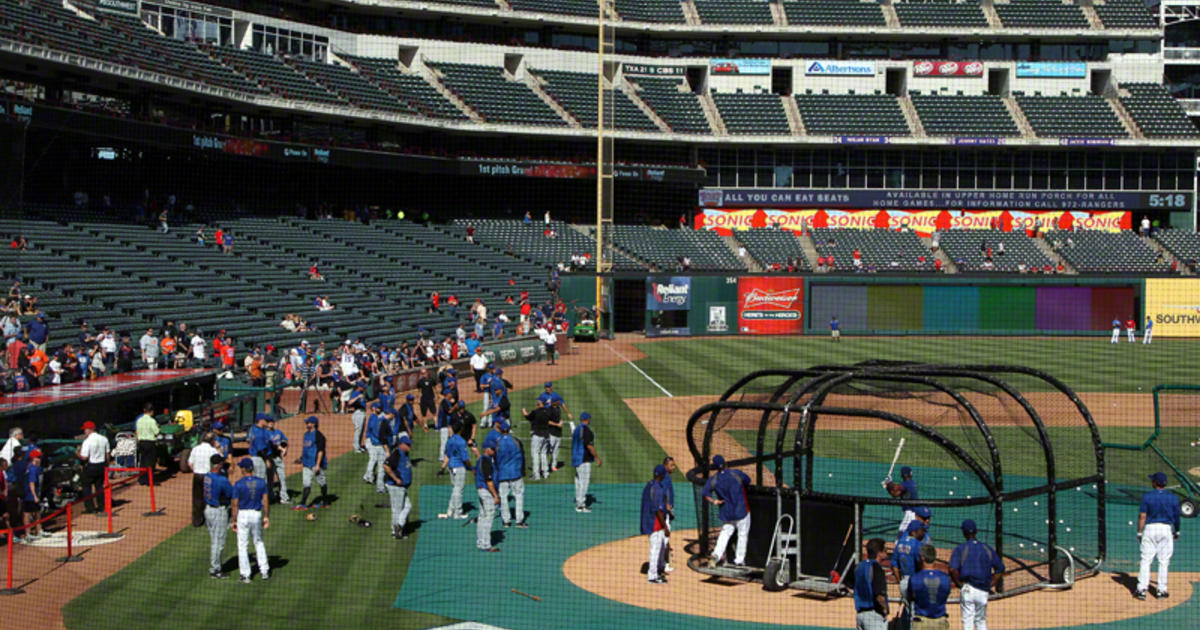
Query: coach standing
1158, 528
376, 439
479, 364
146, 428
583, 453
94, 453
218, 493
458, 462
975, 568
485, 487
906, 558
199, 461
654, 523
510, 464
399, 473
251, 500
539, 424
313, 463
727, 489
870, 589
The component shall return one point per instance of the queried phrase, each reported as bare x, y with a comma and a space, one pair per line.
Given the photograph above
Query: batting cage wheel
1187, 508
982, 441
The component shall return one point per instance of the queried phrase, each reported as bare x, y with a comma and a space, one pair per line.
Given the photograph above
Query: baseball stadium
531, 314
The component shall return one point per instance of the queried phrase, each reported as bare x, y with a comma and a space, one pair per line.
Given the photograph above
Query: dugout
1011, 447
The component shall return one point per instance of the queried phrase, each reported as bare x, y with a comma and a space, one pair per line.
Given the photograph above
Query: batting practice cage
1167, 446
1010, 447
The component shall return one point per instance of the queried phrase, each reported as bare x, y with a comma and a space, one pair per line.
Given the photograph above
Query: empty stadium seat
410, 90
1087, 116
1125, 14
754, 113
851, 114
679, 109
733, 12
1041, 14
772, 247
941, 14
663, 248
833, 13
966, 249
1108, 252
660, 11
888, 251
274, 75
497, 99
576, 92
1156, 113
1183, 245
964, 116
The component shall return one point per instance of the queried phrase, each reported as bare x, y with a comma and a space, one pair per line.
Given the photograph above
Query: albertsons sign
840, 68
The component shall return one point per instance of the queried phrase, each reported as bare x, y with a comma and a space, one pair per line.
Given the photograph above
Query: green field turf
337, 575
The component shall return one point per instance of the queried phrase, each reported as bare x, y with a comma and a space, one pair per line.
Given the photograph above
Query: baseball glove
895, 489
354, 518
310, 517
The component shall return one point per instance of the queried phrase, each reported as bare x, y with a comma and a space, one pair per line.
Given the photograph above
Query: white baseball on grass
956, 477
1131, 522
951, 493
1035, 504
1069, 529
1014, 509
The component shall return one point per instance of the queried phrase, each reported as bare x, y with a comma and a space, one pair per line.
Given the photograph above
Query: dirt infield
49, 585
1099, 599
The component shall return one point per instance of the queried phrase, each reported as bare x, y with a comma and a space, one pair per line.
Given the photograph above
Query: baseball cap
499, 371
245, 463
404, 439
462, 404
585, 416
1159, 477
548, 384
313, 420
968, 526
218, 426
409, 397
35, 453
718, 461
376, 405
215, 459
906, 472
923, 512
660, 470
360, 385
915, 525
89, 425
502, 425
491, 365
262, 416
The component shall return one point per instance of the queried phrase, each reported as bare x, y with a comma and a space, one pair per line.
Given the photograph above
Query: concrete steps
1046, 249
1014, 110
435, 79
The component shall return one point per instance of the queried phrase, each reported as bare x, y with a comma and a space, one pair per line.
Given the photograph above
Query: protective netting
1006, 447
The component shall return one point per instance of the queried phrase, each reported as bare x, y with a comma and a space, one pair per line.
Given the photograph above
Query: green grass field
333, 574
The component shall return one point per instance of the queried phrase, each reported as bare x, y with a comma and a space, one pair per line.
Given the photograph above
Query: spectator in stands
1061, 269
1145, 226
741, 251
858, 264
1000, 248
288, 322
162, 222
322, 303
528, 218
453, 303
227, 246
199, 350
1047, 268
937, 264
96, 365
11, 325
547, 218
108, 344
227, 354
29, 305
987, 265
199, 238
39, 331
19, 243
471, 234
1021, 268
857, 255
934, 241
314, 273
983, 246
497, 329
1070, 242
167, 345
435, 302
125, 355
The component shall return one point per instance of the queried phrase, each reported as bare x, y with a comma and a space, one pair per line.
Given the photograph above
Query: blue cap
660, 470
262, 416
585, 416
313, 420
360, 385
968, 526
409, 397
906, 472
548, 384
915, 525
718, 461
499, 371
450, 370
502, 425
246, 463
376, 405
462, 404
923, 512
1159, 477
218, 426
404, 439
491, 365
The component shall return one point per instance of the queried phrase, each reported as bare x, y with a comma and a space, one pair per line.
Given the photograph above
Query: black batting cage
1010, 447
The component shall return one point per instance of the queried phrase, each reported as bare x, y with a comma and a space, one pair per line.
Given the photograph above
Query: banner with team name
923, 222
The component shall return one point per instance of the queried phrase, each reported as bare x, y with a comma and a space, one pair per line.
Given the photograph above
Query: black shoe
1140, 595
217, 575
1161, 594
659, 580
523, 525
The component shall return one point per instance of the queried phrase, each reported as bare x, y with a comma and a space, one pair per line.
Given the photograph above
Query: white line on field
639, 371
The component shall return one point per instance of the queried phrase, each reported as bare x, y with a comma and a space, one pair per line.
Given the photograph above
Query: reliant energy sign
1173, 305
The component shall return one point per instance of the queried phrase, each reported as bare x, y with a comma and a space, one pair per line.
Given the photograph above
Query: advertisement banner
741, 66
648, 70
853, 199
718, 319
1051, 69
947, 68
923, 222
118, 6
770, 305
830, 68
668, 294
1173, 304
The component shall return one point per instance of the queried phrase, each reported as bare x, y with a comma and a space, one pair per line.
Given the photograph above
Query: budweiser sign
947, 68
775, 299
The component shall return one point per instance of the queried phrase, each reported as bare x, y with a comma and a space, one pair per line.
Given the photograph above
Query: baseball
1035, 504
956, 478
1014, 509
1022, 545
951, 493
1069, 529
830, 474
1131, 522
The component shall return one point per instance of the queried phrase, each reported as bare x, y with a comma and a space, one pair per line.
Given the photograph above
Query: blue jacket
376, 430
485, 470
928, 591
867, 575
38, 331
730, 487
580, 439
1161, 506
400, 464
975, 563
249, 492
906, 555
456, 451
260, 442
218, 492
654, 500
510, 458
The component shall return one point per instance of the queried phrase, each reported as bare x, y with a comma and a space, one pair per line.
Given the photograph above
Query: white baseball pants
658, 545
974, 608
1157, 542
743, 532
250, 529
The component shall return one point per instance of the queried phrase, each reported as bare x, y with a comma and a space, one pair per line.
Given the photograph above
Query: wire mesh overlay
1009, 447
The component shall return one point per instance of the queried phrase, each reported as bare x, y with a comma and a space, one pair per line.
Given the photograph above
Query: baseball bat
895, 458
533, 597
845, 539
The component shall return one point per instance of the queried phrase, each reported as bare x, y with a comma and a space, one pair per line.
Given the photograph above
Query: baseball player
279, 446
727, 489
907, 490
408, 417
835, 329
654, 523
669, 486
870, 588
551, 400
223, 442
906, 557
539, 422
445, 409
485, 487
485, 386
376, 440
31, 505
1149, 332
387, 398
399, 479
510, 465
218, 493
251, 501
498, 399
359, 418
583, 453
928, 590
259, 437
458, 462
1131, 329
426, 385
313, 462
975, 568
1116, 325
1158, 528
